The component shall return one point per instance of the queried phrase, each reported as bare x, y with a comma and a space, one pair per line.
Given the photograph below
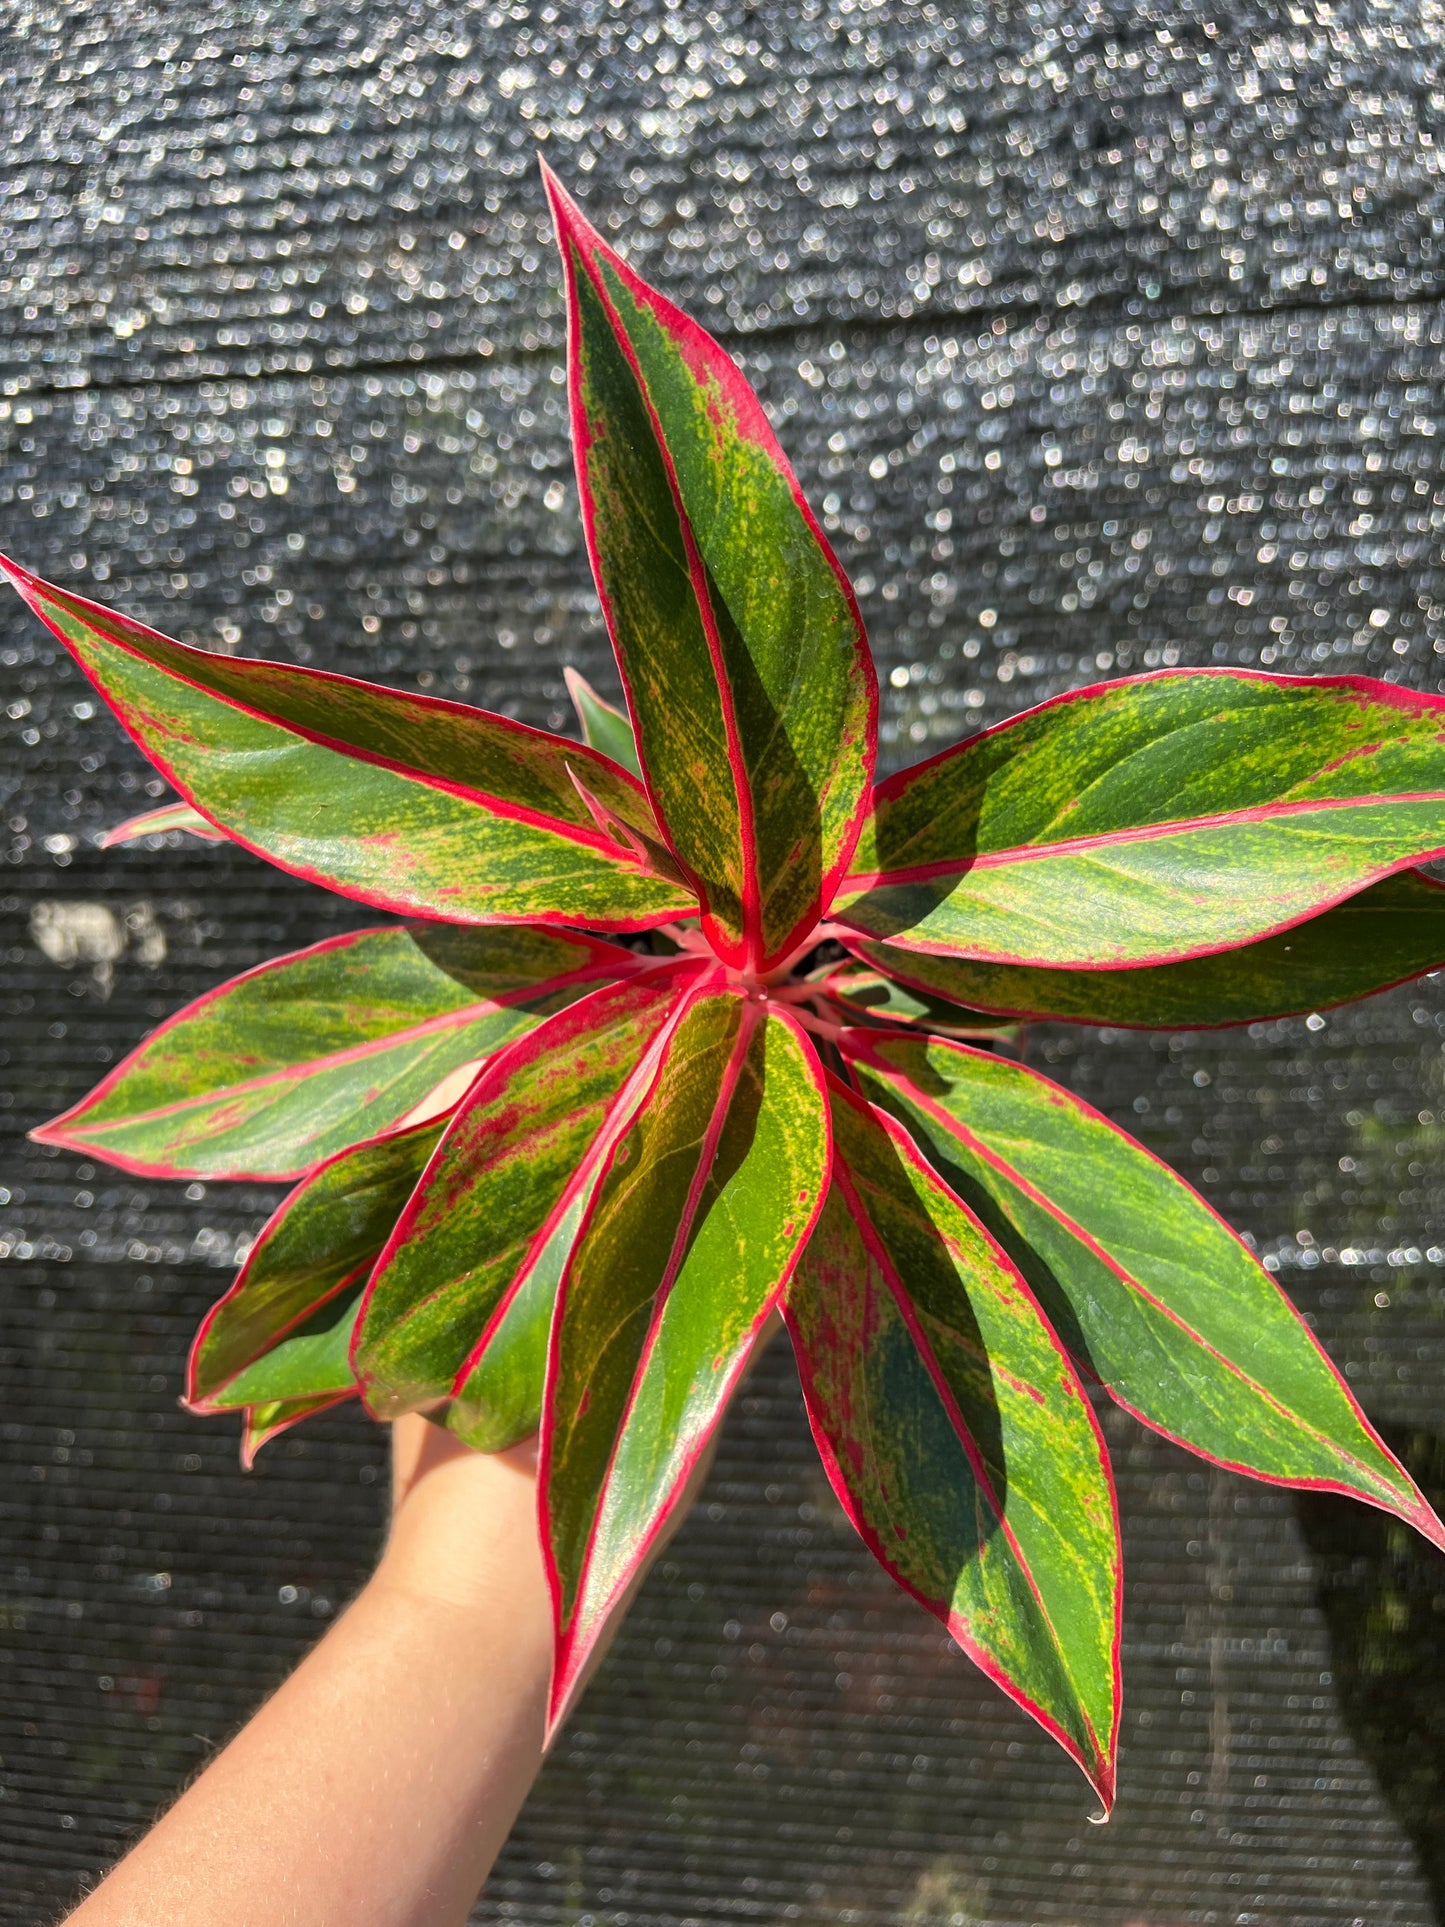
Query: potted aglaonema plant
691, 1021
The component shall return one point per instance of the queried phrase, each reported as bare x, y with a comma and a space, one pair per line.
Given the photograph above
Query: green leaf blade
322, 1241
527, 1144
741, 649
1148, 821
1150, 1289
1384, 935
270, 1074
957, 1436
706, 1202
497, 1398
405, 802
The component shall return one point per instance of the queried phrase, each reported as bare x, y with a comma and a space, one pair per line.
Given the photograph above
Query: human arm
377, 1785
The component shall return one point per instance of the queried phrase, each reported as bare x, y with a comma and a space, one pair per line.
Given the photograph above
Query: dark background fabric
1103, 336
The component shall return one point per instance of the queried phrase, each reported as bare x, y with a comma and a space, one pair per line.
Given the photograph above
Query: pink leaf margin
252, 1439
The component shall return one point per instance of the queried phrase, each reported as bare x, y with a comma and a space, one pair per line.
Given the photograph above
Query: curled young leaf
604, 728
271, 1073
1146, 821
1150, 1289
957, 1436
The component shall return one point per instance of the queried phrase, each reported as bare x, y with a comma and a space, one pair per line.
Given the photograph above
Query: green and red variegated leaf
270, 1074
957, 1436
406, 802
704, 1206
747, 672
1390, 932
473, 1249
1146, 821
267, 1421
170, 816
604, 728
316, 1249
1150, 1289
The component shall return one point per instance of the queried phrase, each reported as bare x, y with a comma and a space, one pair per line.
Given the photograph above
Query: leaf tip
18, 578
565, 211
1426, 1521
1103, 1777
569, 1666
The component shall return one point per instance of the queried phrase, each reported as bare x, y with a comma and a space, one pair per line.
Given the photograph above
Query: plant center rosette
692, 1022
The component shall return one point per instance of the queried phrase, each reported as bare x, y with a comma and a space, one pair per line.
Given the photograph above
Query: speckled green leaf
604, 728
698, 1220
748, 677
957, 1435
311, 1362
300, 1058
527, 1144
315, 1252
1151, 1290
1391, 931
170, 816
1147, 821
405, 802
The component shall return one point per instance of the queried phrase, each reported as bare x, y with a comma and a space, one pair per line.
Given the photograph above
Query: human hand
463, 1523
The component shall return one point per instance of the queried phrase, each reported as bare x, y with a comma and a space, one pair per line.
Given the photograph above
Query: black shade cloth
1104, 337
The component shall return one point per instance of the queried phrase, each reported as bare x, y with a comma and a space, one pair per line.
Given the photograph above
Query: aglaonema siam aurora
692, 1023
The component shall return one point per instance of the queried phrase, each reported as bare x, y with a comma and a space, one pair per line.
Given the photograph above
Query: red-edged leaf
1149, 1287
704, 1206
526, 1146
405, 802
271, 1073
748, 676
1146, 821
957, 1436
1387, 934
277, 1334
